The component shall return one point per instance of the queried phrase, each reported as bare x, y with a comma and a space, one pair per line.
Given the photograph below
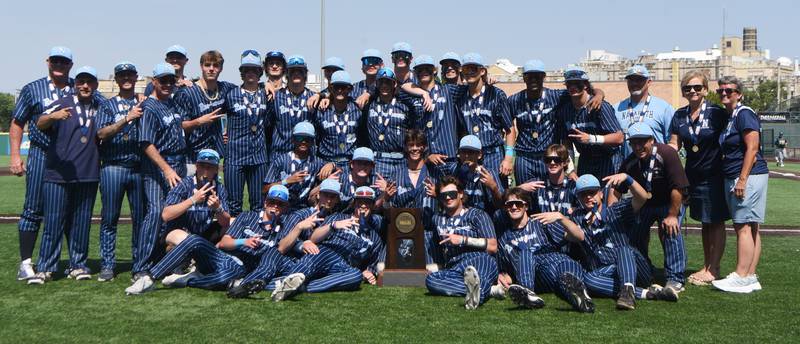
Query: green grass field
788, 166
68, 311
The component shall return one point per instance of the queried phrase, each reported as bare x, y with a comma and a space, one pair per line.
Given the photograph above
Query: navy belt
389, 155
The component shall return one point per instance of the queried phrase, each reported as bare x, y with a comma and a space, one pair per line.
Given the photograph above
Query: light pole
322, 40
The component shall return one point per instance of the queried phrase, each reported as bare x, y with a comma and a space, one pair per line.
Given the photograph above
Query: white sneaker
288, 286
734, 283
25, 270
142, 285
79, 274
498, 292
40, 278
473, 283
178, 280
754, 282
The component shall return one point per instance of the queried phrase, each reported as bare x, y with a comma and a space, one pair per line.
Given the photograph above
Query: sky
102, 33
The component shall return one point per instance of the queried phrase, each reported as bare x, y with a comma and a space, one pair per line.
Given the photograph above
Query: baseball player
177, 57
338, 124
32, 101
197, 205
481, 185
451, 68
361, 172
163, 141
530, 251
246, 156
290, 106
485, 114
297, 170
536, 122
658, 169
371, 63
468, 243
274, 70
780, 149
332, 65
321, 263
70, 178
643, 107
402, 56
120, 164
203, 106
596, 134
557, 191
440, 124
615, 268
388, 118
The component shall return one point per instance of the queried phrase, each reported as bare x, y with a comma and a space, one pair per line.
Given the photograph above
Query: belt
493, 149
389, 155
530, 155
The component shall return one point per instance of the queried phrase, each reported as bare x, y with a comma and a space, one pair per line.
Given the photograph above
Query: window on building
728, 44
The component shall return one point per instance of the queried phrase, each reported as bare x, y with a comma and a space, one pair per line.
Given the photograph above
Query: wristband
283, 182
629, 181
597, 139
479, 243
239, 243
509, 150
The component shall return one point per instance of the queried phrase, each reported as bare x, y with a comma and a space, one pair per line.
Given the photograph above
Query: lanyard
595, 212
84, 115
722, 138
473, 110
695, 130
639, 117
539, 112
296, 109
341, 126
256, 104
54, 91
551, 202
123, 105
383, 117
648, 174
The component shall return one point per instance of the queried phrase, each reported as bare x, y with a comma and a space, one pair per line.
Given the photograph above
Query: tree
6, 109
764, 97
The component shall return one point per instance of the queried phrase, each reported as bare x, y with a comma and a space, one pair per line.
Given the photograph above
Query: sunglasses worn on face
369, 61
696, 88
726, 91
301, 139
404, 56
448, 195
552, 160
515, 204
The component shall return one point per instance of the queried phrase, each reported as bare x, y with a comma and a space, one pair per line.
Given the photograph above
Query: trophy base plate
402, 278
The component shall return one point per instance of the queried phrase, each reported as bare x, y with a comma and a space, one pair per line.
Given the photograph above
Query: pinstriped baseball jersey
387, 123
441, 124
123, 148
198, 217
32, 100
337, 132
246, 111
598, 122
161, 126
284, 112
485, 116
470, 222
195, 102
251, 223
606, 233
533, 237
536, 120
287, 164
354, 243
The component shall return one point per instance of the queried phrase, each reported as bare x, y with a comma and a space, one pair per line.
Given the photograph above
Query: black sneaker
524, 297
626, 300
246, 289
668, 294
576, 293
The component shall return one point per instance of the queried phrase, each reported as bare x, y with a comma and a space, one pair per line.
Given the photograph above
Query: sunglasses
726, 91
404, 56
689, 88
275, 203
301, 138
58, 60
167, 80
577, 84
515, 204
369, 61
448, 195
552, 160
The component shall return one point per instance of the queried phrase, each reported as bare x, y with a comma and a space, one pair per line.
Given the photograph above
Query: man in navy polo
163, 141
70, 179
120, 161
32, 100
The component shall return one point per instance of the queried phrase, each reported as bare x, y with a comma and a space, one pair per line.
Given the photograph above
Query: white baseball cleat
288, 287
25, 270
141, 286
180, 280
473, 283
40, 278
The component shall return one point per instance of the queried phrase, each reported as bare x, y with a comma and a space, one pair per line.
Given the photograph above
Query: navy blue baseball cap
208, 156
586, 182
278, 193
575, 73
341, 77
386, 73
331, 186
275, 55
125, 66
59, 51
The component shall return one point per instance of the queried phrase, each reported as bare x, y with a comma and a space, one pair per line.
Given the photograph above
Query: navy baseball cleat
524, 297
246, 289
576, 293
626, 300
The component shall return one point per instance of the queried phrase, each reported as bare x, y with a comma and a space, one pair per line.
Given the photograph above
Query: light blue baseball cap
278, 193
208, 156
575, 73
364, 192
450, 56
385, 73
371, 53
533, 66
471, 142
364, 154
163, 69
586, 182
333, 62
59, 51
472, 59
638, 70
402, 47
341, 77
296, 61
251, 58
423, 60
640, 130
304, 128
86, 70
176, 49
331, 186
124, 66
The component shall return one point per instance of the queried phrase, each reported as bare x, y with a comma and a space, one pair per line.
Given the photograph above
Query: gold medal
341, 146
695, 148
476, 129
254, 128
381, 137
535, 135
84, 139
649, 195
125, 137
430, 124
